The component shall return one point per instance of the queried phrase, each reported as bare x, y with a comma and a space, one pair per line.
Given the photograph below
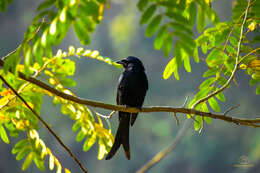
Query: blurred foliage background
119, 35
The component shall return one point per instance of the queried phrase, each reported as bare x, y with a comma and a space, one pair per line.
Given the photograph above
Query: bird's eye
124, 61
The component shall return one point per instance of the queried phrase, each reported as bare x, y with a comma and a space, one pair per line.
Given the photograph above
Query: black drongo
131, 90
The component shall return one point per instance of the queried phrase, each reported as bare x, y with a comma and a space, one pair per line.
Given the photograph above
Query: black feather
131, 91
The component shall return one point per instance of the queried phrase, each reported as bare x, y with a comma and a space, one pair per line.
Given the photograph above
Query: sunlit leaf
197, 124
207, 82
27, 162
51, 162
39, 163
80, 136
170, 68
214, 104
221, 97
101, 150
3, 134
204, 108
89, 142
23, 152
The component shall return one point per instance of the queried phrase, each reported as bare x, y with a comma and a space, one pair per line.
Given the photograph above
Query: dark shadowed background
119, 35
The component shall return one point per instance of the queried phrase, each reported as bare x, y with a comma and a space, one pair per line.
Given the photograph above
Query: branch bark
238, 121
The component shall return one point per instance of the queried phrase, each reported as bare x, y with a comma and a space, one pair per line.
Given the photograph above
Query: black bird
131, 90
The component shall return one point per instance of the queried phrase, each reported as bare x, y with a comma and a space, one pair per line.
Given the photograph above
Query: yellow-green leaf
214, 104
27, 162
3, 134
170, 68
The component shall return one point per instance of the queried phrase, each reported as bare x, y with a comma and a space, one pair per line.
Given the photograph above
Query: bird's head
131, 63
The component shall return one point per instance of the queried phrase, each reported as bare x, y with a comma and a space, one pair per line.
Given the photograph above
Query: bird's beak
120, 62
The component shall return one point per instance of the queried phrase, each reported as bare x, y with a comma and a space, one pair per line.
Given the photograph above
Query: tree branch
46, 125
238, 121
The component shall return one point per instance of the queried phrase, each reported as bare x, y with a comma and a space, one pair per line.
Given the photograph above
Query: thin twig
230, 109
176, 118
253, 51
46, 125
111, 114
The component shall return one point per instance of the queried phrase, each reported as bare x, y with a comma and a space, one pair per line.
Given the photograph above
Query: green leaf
19, 145
214, 58
253, 81
80, 136
68, 82
153, 26
147, 15
3, 134
89, 142
12, 61
187, 39
38, 52
222, 81
3, 5
207, 83
81, 32
196, 55
27, 162
257, 91
221, 97
202, 93
39, 163
76, 126
44, 37
23, 152
28, 58
180, 27
231, 50
204, 108
177, 17
197, 124
233, 41
159, 39
201, 19
53, 27
186, 61
192, 13
210, 72
214, 104
142, 4
167, 45
90, 8
45, 4
178, 54
170, 68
